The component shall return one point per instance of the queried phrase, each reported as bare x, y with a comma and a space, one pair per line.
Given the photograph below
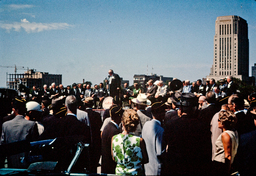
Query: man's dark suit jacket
108, 165
95, 147
187, 143
115, 83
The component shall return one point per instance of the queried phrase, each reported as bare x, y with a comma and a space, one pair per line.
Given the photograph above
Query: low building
32, 78
143, 79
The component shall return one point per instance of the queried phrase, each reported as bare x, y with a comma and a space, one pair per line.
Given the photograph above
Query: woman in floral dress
128, 150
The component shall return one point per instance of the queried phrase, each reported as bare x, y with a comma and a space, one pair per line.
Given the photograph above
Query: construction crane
15, 68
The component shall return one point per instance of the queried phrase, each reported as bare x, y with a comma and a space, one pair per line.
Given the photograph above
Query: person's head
34, 87
71, 103
212, 81
187, 103
202, 99
53, 85
210, 97
230, 102
45, 86
150, 82
136, 86
33, 110
84, 86
227, 120
101, 85
193, 84
158, 110
19, 106
187, 82
88, 86
88, 102
130, 120
229, 79
125, 85
160, 83
238, 103
79, 85
96, 86
199, 82
116, 112
61, 86
68, 87
110, 72
216, 90
74, 85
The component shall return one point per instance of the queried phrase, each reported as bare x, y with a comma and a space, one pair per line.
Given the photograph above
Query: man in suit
74, 131
141, 102
152, 133
61, 90
95, 123
112, 128
151, 91
45, 91
185, 139
114, 83
18, 129
231, 87
53, 90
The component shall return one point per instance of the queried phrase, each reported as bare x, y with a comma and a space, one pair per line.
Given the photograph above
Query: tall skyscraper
231, 48
254, 71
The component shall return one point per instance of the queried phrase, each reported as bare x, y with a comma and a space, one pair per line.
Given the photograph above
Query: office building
32, 78
231, 48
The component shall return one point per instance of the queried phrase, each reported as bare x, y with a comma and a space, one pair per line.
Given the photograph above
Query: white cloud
19, 6
33, 27
24, 20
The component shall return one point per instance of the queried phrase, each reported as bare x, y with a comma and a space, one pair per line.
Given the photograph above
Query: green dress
135, 93
127, 154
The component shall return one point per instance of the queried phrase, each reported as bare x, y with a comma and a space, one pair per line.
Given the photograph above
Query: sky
83, 39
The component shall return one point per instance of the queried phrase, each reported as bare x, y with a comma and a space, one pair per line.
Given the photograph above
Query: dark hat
253, 103
58, 107
20, 105
74, 84
222, 80
187, 99
115, 110
19, 102
157, 107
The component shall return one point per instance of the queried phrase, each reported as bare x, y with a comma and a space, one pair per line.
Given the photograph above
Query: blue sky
83, 39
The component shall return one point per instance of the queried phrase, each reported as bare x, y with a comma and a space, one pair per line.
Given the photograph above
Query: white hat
33, 106
141, 99
156, 82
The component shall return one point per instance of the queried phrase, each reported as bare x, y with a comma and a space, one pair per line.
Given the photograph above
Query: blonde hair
228, 119
130, 120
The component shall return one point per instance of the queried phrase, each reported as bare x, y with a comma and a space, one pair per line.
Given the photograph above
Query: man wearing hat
34, 113
94, 123
18, 129
141, 102
152, 133
186, 141
108, 165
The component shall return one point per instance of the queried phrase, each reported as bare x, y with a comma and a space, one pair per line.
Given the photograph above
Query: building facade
231, 48
254, 72
32, 78
143, 79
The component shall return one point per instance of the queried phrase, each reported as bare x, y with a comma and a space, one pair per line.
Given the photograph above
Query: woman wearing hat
128, 150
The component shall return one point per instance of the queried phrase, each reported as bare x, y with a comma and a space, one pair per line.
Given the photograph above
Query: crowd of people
181, 128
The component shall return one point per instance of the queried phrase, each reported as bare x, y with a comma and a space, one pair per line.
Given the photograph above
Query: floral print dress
127, 154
